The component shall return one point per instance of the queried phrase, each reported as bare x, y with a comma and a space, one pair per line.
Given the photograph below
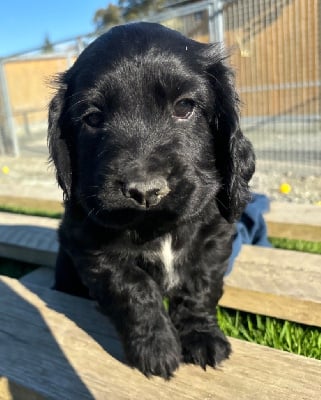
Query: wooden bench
55, 346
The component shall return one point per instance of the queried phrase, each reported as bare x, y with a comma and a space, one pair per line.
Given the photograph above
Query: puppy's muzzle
146, 193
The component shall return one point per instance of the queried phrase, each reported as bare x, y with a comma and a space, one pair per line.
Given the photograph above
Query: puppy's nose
146, 193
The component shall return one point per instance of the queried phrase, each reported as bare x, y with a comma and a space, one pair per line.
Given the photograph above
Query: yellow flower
285, 188
5, 169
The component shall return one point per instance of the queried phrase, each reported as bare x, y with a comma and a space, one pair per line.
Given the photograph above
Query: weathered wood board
29, 239
60, 347
276, 271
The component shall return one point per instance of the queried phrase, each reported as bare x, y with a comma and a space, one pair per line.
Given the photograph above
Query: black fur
144, 134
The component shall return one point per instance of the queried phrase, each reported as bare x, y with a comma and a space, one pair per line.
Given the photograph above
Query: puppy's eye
94, 119
183, 108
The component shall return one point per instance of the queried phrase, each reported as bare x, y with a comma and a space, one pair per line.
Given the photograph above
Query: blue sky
24, 24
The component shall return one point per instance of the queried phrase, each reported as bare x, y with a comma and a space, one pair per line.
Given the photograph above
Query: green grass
15, 269
283, 335
295, 244
30, 211
27, 206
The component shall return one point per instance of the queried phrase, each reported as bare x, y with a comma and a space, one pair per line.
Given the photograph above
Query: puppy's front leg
133, 302
193, 312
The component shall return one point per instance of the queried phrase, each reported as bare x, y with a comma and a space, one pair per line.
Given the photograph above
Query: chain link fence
275, 48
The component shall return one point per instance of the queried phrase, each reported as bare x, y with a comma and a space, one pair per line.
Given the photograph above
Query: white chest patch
168, 257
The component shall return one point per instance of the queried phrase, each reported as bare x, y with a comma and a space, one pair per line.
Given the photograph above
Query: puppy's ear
58, 148
234, 155
235, 162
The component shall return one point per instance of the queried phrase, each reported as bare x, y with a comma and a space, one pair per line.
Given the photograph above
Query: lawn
272, 332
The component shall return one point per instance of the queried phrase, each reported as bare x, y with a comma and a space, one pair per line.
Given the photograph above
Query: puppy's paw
156, 354
205, 348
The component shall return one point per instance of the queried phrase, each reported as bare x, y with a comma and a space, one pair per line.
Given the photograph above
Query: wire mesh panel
191, 20
276, 52
194, 25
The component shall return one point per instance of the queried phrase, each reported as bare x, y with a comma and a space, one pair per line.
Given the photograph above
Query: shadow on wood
28, 347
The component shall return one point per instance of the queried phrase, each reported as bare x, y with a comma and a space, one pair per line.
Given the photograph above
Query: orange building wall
29, 85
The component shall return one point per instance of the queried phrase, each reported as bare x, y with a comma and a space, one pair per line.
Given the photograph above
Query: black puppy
144, 134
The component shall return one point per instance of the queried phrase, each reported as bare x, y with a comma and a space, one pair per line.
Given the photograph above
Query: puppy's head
145, 127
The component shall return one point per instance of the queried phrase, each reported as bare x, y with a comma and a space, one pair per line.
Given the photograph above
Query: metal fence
275, 49
279, 79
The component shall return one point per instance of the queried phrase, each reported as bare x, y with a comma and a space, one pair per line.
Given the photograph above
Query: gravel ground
304, 189
32, 176
28, 177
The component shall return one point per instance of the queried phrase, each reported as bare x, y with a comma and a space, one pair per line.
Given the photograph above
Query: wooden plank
294, 221
13, 391
277, 271
278, 306
32, 244
60, 346
292, 213
11, 219
294, 231
286, 220
278, 283
42, 276
283, 307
